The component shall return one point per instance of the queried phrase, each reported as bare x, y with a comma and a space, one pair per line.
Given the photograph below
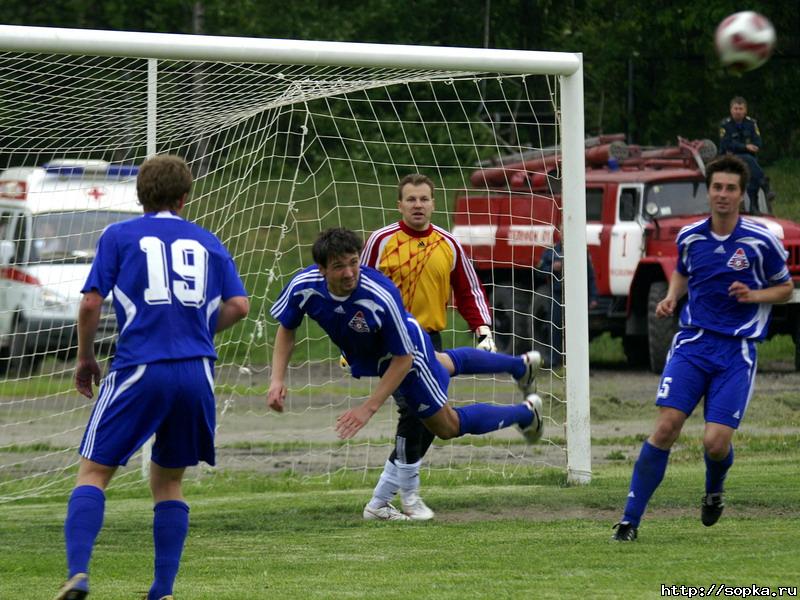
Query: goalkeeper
362, 312
427, 264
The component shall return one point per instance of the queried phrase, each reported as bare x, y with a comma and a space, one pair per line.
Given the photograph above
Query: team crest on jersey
358, 323
738, 261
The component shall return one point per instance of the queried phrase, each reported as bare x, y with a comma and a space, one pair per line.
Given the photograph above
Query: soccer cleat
533, 432
625, 532
415, 509
712, 507
384, 513
75, 588
532, 360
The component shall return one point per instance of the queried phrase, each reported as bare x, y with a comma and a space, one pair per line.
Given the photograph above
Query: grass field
528, 535
525, 536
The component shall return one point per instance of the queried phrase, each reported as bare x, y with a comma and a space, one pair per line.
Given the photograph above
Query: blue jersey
369, 326
167, 277
750, 254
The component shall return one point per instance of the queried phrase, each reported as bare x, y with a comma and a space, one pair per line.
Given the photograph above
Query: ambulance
51, 217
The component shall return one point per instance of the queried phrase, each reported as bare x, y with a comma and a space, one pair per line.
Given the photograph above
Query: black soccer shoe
625, 532
711, 509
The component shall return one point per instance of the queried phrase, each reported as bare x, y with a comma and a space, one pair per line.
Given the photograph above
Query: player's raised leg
470, 361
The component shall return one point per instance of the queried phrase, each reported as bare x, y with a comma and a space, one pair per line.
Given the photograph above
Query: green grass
528, 537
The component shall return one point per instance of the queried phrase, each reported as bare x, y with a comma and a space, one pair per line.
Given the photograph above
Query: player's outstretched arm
351, 421
232, 311
87, 371
284, 346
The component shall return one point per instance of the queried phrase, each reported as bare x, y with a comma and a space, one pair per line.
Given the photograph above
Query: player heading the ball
362, 312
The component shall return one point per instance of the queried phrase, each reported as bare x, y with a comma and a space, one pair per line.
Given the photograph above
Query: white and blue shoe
533, 432
532, 360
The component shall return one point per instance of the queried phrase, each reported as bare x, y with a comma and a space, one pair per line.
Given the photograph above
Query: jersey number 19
189, 264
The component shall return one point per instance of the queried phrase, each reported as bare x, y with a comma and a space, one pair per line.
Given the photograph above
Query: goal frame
568, 67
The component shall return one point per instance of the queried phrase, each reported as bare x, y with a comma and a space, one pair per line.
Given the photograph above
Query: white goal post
285, 137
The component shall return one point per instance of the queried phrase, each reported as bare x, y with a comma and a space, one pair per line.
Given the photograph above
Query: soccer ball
744, 40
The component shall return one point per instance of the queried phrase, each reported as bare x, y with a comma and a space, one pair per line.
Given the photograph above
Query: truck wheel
659, 331
637, 351
19, 360
512, 320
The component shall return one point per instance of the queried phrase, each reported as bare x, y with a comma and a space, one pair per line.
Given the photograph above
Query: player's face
725, 193
341, 274
738, 112
416, 206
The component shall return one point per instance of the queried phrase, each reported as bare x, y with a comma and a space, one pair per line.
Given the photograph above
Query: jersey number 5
189, 263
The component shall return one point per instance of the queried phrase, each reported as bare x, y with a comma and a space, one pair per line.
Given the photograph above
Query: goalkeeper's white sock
387, 486
408, 476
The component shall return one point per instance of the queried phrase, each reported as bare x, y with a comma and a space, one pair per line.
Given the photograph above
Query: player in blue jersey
362, 312
174, 286
734, 269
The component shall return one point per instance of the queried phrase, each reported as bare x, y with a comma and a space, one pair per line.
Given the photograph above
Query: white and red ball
744, 40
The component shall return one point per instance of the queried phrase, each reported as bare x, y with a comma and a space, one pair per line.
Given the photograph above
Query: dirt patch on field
545, 514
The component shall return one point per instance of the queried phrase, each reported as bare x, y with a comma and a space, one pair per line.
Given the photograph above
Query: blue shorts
172, 399
425, 387
703, 363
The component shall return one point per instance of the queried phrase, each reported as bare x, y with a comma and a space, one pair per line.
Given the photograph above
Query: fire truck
637, 200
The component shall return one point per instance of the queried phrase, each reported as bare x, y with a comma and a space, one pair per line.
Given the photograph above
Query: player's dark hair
738, 100
162, 182
728, 164
334, 242
413, 179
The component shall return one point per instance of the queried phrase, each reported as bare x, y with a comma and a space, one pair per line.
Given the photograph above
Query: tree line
650, 69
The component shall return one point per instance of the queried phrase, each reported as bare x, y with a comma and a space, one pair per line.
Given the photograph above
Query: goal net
304, 137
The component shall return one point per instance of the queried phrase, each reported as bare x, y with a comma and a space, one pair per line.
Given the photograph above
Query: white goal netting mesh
279, 153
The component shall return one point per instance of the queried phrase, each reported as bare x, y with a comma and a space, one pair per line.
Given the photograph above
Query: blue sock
716, 470
170, 526
471, 361
483, 418
647, 475
85, 511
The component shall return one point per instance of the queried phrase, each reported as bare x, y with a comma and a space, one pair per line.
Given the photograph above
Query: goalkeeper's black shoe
76, 588
712, 507
625, 532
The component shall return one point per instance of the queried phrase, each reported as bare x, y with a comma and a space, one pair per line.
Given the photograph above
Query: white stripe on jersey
475, 286
373, 238
687, 228
761, 318
127, 305
394, 312
212, 306
770, 237
283, 299
758, 270
685, 243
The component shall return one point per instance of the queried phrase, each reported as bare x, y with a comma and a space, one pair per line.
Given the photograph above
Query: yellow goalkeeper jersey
428, 266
